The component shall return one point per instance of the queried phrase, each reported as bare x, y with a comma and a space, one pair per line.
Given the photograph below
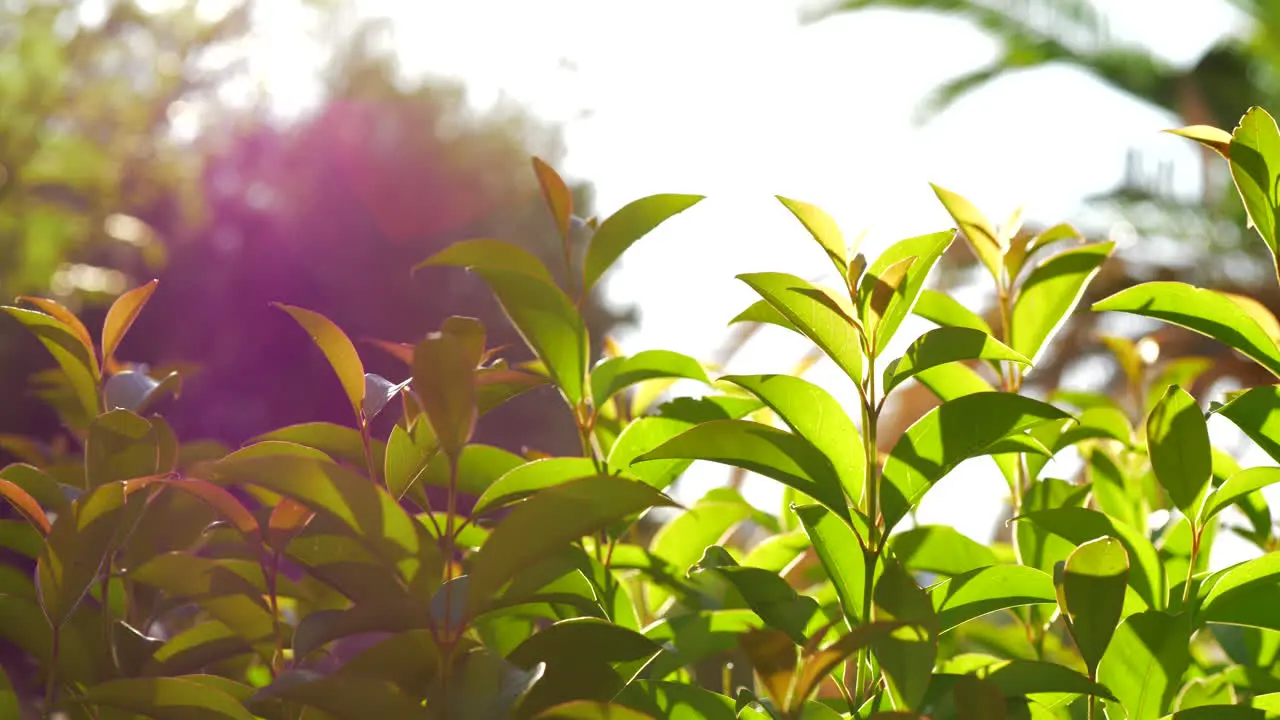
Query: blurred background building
311, 151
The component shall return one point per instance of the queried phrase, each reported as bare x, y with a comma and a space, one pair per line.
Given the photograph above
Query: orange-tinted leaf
222, 501
66, 317
400, 351
337, 348
288, 518
559, 199
25, 504
121, 316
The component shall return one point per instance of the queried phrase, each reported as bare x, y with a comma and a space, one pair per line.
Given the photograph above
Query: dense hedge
307, 575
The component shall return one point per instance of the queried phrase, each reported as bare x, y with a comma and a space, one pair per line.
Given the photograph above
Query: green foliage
323, 572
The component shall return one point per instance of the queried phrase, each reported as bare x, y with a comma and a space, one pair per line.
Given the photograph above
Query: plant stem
368, 451
1191, 564
51, 681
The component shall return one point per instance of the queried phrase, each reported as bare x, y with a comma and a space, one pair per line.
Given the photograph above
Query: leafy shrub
308, 574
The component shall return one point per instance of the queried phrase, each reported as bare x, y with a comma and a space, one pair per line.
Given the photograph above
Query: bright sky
736, 100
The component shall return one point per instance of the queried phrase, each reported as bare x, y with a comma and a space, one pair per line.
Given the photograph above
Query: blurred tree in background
329, 212
1235, 73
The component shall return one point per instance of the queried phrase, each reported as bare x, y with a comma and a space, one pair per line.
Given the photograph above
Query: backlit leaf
977, 230
822, 316
337, 349
550, 520
985, 590
1178, 442
612, 376
1050, 293
623, 228
948, 434
556, 193
787, 458
823, 229
1145, 661
1207, 312
1254, 156
944, 345
1211, 137
1091, 595
813, 414
120, 317
482, 254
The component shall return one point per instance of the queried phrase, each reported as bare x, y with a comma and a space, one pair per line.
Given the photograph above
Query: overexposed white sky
738, 101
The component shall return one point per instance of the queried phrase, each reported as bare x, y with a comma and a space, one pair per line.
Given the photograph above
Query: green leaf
548, 521
1254, 156
404, 462
343, 697
926, 249
76, 361
907, 655
391, 614
167, 698
589, 710
761, 311
823, 229
639, 438
948, 434
556, 193
366, 509
939, 549
1241, 594
77, 545
688, 638
1091, 595
877, 295
767, 594
676, 701
982, 237
1050, 293
621, 229
813, 414
682, 541
549, 324
483, 254
1145, 661
1219, 712
8, 698
583, 657
778, 552
944, 310
1097, 423
1207, 312
120, 317
120, 446
841, 553
787, 458
1079, 525
1017, 678
1254, 412
337, 441
196, 647
479, 467
1178, 443
1236, 487
1211, 137
337, 349
526, 479
444, 379
953, 380
615, 374
984, 590
944, 345
822, 316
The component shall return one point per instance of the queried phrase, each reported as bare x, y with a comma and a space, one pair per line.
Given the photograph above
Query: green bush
308, 574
